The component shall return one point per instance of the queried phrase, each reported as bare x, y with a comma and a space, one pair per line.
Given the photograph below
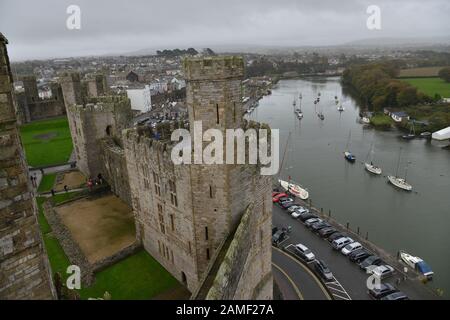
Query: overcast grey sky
37, 28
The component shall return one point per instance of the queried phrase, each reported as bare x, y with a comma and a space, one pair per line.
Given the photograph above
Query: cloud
37, 29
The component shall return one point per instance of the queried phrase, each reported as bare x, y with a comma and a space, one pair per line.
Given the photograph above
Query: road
350, 280
295, 280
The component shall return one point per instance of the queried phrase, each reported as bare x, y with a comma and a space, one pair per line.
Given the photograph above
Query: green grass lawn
431, 86
47, 182
45, 227
381, 120
47, 142
138, 277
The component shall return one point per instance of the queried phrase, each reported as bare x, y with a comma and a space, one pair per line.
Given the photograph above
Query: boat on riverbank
294, 189
340, 108
417, 264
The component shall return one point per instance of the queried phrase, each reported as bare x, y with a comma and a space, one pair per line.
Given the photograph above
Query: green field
47, 182
138, 277
430, 86
47, 142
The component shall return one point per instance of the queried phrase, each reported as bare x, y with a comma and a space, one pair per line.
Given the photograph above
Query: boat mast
348, 141
406, 170
398, 162
284, 154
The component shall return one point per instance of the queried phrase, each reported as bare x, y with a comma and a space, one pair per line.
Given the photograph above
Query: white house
399, 116
140, 99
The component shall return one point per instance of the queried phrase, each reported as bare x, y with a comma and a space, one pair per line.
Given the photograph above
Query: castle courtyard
101, 226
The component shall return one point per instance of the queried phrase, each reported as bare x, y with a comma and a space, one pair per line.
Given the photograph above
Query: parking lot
349, 280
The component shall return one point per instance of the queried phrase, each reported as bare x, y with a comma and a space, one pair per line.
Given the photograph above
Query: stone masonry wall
101, 117
114, 169
24, 267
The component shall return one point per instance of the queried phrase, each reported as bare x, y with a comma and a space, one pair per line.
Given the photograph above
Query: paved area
297, 282
101, 226
350, 280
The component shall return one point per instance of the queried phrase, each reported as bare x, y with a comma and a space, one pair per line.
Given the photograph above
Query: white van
338, 244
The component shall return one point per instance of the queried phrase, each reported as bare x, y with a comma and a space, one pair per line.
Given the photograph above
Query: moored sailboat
396, 180
347, 154
369, 165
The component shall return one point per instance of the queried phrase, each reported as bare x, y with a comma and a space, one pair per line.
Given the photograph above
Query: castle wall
31, 107
164, 226
114, 169
245, 271
24, 267
100, 118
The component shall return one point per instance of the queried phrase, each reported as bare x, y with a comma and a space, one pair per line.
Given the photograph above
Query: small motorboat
340, 108
426, 135
409, 136
321, 116
365, 120
300, 115
417, 264
349, 156
372, 168
400, 183
294, 189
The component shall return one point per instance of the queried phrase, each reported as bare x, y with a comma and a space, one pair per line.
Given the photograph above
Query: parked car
296, 214
381, 291
351, 247
287, 204
370, 261
311, 221
383, 271
336, 235
326, 232
275, 193
279, 236
358, 255
307, 216
323, 271
294, 208
285, 199
277, 197
338, 244
303, 252
319, 225
396, 296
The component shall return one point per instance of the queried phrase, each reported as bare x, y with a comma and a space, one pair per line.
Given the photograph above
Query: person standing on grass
53, 192
66, 189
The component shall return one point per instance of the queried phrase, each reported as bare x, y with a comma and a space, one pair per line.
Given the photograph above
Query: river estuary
417, 222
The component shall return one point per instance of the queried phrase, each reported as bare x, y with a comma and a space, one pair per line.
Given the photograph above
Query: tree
445, 74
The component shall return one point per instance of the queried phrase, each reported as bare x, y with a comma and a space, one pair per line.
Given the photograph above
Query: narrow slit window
217, 113
207, 254
206, 233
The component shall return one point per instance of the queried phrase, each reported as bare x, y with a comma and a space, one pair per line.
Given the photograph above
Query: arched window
108, 130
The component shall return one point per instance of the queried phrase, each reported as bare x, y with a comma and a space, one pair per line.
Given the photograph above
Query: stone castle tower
194, 219
24, 267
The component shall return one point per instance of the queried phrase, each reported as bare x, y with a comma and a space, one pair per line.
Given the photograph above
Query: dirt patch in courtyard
73, 180
46, 136
101, 227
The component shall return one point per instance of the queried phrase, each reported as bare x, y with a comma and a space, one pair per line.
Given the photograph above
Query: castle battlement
213, 68
114, 104
70, 77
